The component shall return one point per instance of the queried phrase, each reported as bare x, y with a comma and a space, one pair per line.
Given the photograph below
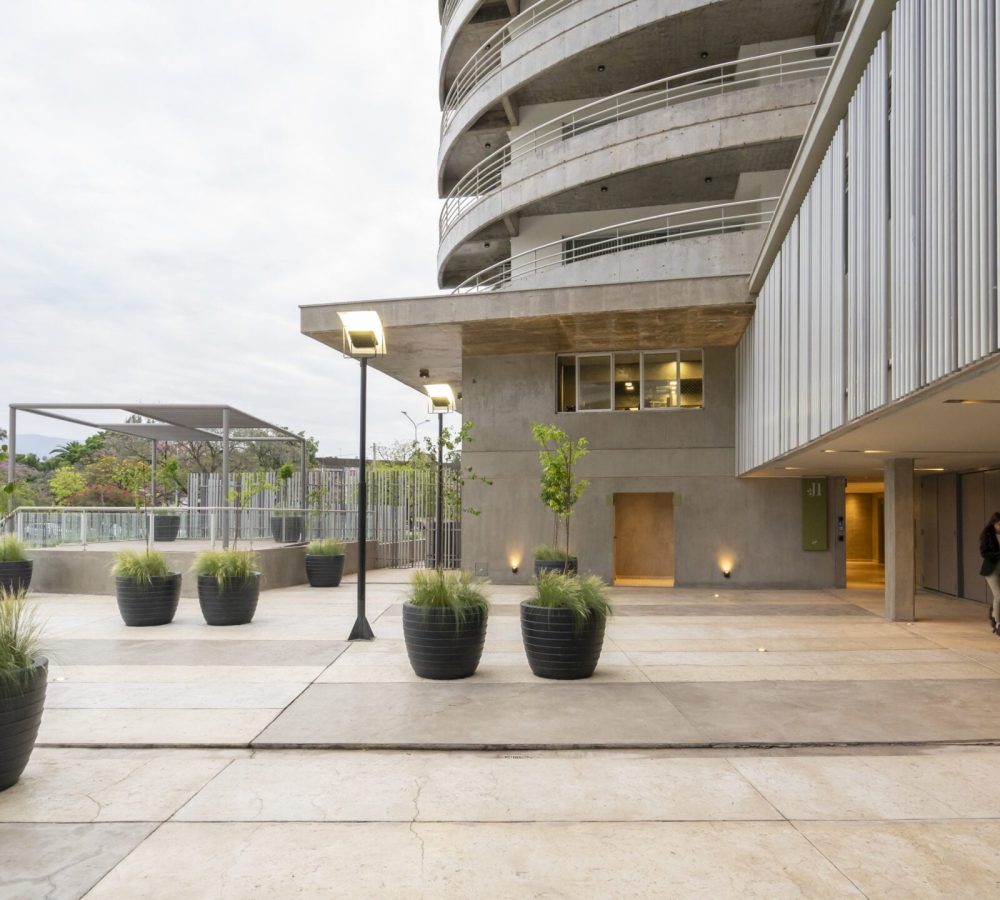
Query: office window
630, 381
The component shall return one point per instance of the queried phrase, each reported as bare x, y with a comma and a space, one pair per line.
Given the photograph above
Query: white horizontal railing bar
719, 218
484, 180
487, 58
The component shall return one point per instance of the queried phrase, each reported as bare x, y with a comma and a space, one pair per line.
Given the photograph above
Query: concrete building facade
719, 240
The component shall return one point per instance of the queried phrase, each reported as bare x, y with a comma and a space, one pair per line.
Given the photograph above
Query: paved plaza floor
732, 744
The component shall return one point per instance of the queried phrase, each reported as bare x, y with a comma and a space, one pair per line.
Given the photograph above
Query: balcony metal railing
487, 59
486, 178
448, 12
719, 218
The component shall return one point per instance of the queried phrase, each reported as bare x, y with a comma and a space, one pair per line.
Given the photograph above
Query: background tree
66, 483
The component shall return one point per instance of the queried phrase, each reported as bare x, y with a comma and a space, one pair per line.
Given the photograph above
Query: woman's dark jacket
989, 548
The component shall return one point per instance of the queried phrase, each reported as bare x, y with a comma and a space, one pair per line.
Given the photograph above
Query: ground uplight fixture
363, 334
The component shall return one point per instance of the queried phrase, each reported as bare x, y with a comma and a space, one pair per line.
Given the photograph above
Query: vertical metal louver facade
887, 279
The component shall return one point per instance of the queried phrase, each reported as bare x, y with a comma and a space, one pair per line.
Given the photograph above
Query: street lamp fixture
363, 339
442, 399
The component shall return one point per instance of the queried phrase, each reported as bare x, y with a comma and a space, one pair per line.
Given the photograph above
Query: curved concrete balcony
714, 241
730, 109
559, 50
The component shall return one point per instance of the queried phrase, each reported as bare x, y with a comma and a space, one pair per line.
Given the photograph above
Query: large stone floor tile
942, 785
467, 714
676, 860
894, 672
844, 711
184, 674
348, 673
153, 727
377, 786
911, 861
891, 640
76, 785
794, 658
62, 862
133, 695
204, 652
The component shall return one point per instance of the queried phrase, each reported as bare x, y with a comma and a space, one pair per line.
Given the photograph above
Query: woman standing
989, 548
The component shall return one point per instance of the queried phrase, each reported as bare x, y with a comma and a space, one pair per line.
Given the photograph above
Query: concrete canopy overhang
930, 426
435, 333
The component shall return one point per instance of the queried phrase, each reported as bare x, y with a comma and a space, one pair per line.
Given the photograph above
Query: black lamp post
442, 401
363, 339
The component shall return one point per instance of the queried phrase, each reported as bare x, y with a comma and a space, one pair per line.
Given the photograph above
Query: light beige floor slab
183, 674
138, 695
912, 861
61, 862
158, 727
62, 785
942, 785
677, 860
492, 674
796, 658
437, 787
936, 671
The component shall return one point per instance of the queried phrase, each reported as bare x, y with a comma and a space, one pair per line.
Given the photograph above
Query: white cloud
176, 178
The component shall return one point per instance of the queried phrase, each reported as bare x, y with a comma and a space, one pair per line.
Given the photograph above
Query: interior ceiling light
793, 468
929, 469
876, 451
973, 402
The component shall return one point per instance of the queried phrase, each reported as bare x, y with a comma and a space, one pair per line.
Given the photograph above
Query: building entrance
644, 539
864, 509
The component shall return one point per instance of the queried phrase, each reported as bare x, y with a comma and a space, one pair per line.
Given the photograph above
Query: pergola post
11, 456
225, 478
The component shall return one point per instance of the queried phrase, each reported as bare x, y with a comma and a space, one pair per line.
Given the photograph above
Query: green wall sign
815, 492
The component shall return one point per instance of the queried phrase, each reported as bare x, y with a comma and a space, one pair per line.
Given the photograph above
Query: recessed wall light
703, 54
488, 145
487, 245
604, 188
600, 68
708, 179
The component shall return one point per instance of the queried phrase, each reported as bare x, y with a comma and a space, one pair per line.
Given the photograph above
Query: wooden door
644, 536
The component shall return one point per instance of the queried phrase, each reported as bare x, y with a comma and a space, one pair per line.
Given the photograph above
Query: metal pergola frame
171, 422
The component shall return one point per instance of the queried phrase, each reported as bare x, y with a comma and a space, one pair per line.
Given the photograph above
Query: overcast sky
177, 177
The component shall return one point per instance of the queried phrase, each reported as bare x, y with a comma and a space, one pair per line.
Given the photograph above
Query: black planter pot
438, 646
232, 604
16, 576
165, 528
556, 647
148, 603
21, 707
288, 529
555, 565
324, 571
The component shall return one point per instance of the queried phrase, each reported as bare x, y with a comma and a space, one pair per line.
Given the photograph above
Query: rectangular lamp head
442, 397
363, 334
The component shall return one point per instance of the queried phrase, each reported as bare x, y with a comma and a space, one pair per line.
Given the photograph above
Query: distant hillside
39, 444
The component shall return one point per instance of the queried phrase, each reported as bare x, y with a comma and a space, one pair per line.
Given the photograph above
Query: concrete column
900, 541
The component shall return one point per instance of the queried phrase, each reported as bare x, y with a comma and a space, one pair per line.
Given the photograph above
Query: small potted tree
228, 586
287, 527
23, 679
325, 563
166, 526
561, 489
444, 624
15, 567
562, 625
147, 591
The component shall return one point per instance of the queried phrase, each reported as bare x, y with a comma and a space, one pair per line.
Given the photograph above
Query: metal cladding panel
887, 279
939, 189
907, 161
975, 181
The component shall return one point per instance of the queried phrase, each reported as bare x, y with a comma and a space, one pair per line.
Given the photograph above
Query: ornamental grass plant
12, 550
328, 547
586, 596
460, 592
549, 553
141, 567
228, 567
20, 634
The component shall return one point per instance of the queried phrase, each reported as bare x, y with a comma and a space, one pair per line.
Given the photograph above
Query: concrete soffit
869, 20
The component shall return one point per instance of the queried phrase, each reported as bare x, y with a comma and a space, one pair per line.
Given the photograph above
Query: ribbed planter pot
556, 646
438, 646
324, 571
233, 604
555, 565
165, 528
21, 705
288, 529
16, 576
143, 603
